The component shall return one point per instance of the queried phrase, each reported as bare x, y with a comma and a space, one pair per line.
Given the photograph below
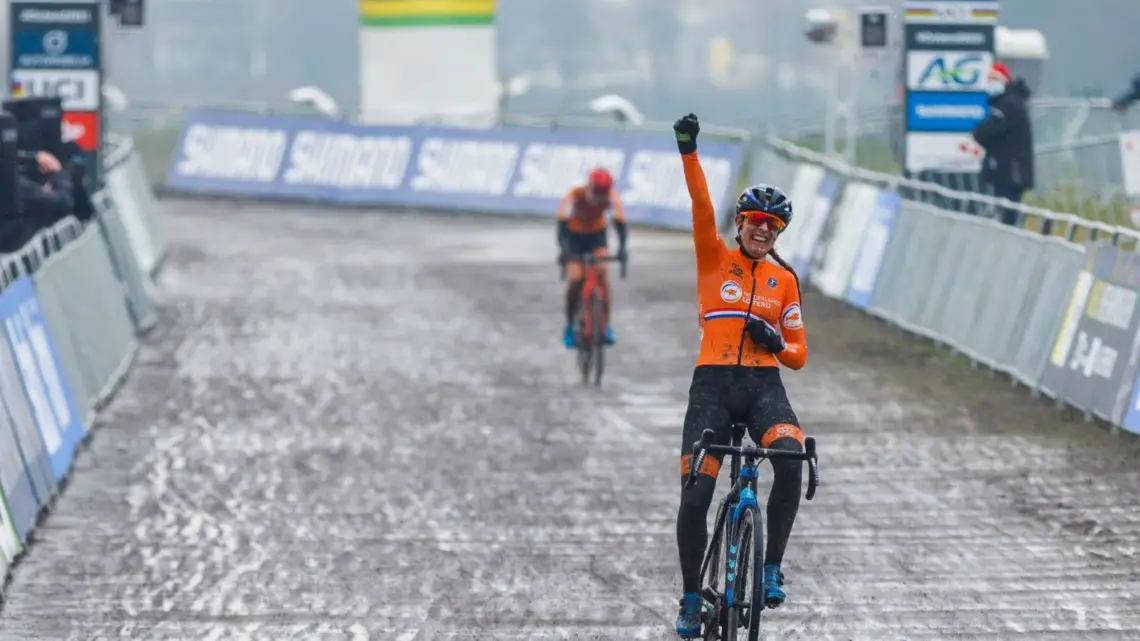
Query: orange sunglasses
759, 217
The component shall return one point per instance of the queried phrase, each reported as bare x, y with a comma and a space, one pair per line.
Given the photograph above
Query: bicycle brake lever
694, 462
813, 468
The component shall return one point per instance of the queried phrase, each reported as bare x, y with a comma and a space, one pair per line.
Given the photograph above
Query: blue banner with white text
523, 170
47, 393
865, 272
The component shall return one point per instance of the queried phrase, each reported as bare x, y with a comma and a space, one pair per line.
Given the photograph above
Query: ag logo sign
948, 70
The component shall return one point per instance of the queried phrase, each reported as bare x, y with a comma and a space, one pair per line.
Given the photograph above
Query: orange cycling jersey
585, 217
733, 289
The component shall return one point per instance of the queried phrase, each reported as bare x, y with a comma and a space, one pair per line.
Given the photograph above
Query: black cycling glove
686, 130
765, 336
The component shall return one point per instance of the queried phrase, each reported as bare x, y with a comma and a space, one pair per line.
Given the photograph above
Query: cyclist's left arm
565, 206
619, 220
794, 354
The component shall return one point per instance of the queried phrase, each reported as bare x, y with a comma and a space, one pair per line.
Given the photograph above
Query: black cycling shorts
586, 243
721, 395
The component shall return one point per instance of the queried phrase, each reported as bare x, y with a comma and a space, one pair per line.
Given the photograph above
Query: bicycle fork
745, 499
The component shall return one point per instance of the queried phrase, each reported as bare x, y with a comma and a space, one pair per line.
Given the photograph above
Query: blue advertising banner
1131, 420
947, 111
20, 414
814, 223
948, 50
55, 49
15, 478
521, 170
865, 272
47, 392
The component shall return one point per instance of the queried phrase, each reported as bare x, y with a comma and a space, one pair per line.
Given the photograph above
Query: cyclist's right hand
685, 129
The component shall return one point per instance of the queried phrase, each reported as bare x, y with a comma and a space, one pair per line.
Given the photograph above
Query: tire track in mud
362, 426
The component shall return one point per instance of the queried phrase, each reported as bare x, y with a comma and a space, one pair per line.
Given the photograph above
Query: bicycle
725, 612
590, 320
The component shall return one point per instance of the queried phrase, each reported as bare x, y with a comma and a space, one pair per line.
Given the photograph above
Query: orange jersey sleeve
794, 355
566, 205
705, 240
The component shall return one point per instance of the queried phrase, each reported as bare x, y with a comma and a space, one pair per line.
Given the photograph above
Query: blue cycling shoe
774, 595
568, 336
610, 339
689, 617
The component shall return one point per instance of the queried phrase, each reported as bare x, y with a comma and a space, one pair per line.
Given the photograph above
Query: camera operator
45, 190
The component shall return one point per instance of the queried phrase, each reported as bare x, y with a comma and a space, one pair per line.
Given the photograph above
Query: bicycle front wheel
747, 552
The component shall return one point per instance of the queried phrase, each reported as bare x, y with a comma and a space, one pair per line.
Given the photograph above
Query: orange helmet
601, 181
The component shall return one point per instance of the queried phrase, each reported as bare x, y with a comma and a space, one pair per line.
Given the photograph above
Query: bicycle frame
591, 319
741, 496
592, 283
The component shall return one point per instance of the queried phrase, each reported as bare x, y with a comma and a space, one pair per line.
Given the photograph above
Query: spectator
76, 167
1131, 95
1006, 136
45, 191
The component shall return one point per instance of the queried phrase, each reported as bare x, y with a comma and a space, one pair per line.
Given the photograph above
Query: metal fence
72, 302
1054, 302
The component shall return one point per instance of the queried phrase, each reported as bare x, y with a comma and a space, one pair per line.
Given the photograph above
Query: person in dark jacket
1129, 96
1006, 135
45, 191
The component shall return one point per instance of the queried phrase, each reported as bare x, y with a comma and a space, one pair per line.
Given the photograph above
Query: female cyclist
742, 299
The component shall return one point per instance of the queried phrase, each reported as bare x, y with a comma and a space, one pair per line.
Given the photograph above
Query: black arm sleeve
564, 235
621, 231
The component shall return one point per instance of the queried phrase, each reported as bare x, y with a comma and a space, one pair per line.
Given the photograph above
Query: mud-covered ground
357, 425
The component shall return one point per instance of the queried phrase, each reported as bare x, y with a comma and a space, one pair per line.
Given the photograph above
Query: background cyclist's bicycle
590, 320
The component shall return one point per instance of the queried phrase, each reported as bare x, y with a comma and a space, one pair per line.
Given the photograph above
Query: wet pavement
361, 425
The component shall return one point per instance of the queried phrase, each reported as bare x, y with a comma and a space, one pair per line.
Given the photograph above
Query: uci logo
953, 72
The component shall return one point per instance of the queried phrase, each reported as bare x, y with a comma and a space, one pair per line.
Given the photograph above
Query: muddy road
357, 425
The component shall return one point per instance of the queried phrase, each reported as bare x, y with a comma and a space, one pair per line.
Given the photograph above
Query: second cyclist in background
582, 230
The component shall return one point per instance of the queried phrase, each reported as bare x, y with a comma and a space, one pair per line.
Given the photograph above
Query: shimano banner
524, 170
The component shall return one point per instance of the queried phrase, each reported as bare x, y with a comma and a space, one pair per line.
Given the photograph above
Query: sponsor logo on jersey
791, 317
730, 291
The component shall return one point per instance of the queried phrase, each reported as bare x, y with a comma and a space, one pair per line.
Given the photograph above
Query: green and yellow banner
420, 13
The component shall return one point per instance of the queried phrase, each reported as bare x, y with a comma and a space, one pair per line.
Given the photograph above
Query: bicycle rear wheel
747, 553
584, 346
599, 337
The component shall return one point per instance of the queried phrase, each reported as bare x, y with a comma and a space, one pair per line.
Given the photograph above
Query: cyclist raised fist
686, 130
